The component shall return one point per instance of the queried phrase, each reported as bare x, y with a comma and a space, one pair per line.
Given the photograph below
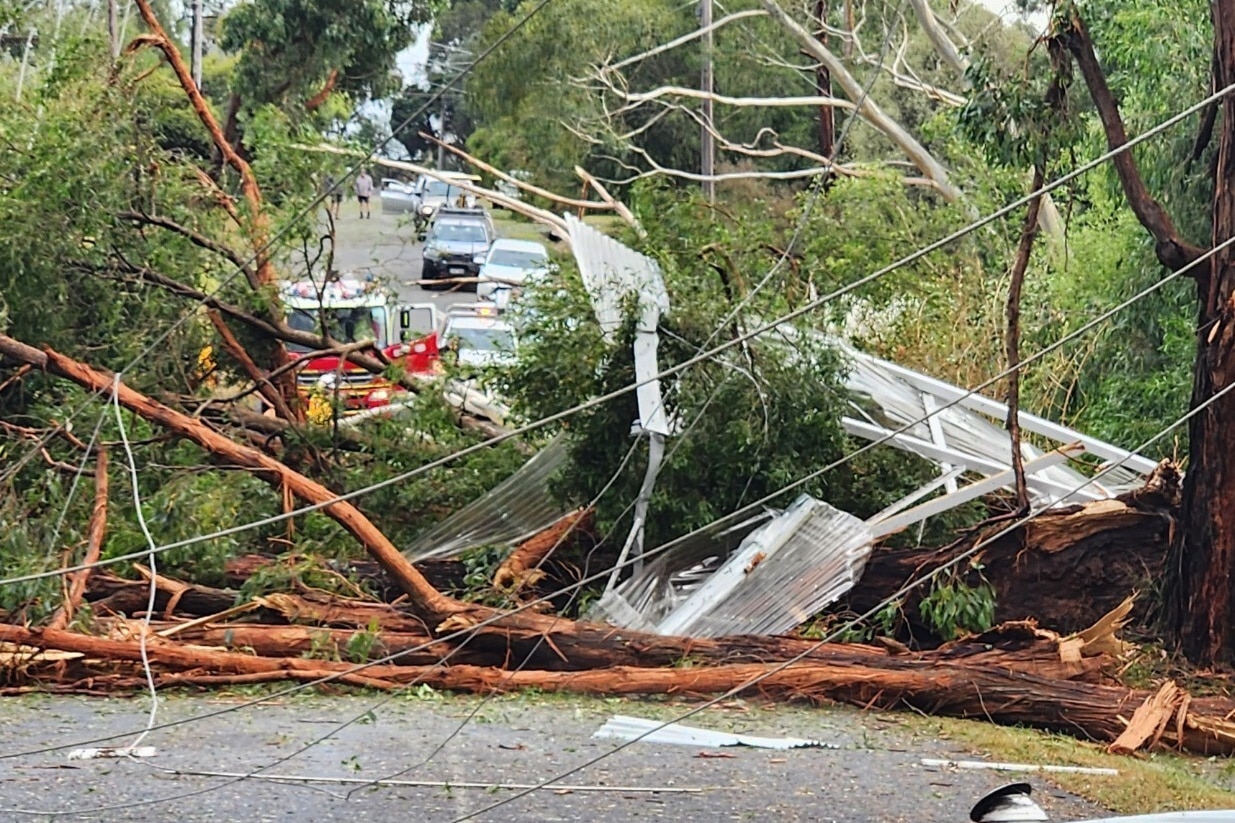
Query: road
873, 776
387, 245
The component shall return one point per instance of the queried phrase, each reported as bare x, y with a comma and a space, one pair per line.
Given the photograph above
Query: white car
508, 266
478, 337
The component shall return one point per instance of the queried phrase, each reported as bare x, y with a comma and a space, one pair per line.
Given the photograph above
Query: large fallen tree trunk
929, 682
1065, 569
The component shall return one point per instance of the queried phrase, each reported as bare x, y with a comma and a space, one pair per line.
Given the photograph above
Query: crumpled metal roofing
784, 571
513, 510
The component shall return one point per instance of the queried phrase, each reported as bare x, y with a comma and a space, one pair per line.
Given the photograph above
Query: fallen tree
944, 682
1017, 673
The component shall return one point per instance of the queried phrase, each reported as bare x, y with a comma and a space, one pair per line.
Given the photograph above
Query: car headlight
433, 253
478, 258
426, 210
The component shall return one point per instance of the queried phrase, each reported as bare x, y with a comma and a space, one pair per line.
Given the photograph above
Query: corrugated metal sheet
611, 273
780, 575
623, 727
784, 573
511, 511
648, 596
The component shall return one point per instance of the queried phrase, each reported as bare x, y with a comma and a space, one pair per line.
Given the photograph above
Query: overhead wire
841, 630
586, 580
258, 773
1088, 325
708, 354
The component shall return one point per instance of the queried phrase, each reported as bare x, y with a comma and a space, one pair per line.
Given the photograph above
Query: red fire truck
353, 310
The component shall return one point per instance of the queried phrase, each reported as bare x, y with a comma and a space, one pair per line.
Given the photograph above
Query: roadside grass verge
1147, 782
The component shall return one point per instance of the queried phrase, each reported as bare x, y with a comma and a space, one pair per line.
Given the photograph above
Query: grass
1146, 783
517, 228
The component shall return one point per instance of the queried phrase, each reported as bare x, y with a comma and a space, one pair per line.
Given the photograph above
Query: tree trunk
1198, 594
823, 86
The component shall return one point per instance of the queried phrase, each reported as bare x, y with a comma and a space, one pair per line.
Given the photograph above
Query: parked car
454, 248
508, 266
467, 213
476, 337
433, 193
510, 189
397, 197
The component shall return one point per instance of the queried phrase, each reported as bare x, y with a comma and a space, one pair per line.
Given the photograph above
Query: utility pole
197, 43
441, 135
707, 143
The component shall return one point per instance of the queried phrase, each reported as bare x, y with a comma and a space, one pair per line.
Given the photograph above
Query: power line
665, 547
668, 372
838, 632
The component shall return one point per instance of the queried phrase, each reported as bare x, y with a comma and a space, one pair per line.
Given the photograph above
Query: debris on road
622, 727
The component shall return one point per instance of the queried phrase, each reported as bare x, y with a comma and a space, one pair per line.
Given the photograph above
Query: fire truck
354, 310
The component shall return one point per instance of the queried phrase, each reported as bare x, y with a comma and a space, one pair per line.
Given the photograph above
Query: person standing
333, 195
364, 191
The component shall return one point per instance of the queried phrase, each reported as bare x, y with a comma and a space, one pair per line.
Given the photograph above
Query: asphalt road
386, 244
874, 775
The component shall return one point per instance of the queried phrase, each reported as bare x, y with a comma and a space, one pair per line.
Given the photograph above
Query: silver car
397, 197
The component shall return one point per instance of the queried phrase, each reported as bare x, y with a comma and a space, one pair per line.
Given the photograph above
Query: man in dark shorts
364, 191
334, 195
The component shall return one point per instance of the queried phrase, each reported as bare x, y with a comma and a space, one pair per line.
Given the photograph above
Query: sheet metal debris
782, 572
623, 727
513, 510
112, 751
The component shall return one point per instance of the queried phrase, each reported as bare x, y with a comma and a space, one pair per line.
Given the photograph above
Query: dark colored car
455, 247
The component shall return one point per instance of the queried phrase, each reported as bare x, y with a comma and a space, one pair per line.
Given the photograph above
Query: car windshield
459, 233
440, 188
484, 339
517, 258
345, 325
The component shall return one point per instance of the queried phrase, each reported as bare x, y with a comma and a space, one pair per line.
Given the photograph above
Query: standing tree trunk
823, 87
1198, 593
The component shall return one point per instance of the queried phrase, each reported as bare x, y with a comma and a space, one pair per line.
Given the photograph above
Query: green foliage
954, 607
754, 419
290, 49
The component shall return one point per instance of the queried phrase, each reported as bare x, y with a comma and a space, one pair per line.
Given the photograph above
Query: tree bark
979, 689
867, 108
1198, 592
1172, 250
823, 87
96, 531
258, 228
1028, 233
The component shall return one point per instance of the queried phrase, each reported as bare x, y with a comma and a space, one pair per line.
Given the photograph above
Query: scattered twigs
94, 546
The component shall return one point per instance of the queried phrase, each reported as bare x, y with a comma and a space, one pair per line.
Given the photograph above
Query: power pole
441, 135
197, 43
707, 144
